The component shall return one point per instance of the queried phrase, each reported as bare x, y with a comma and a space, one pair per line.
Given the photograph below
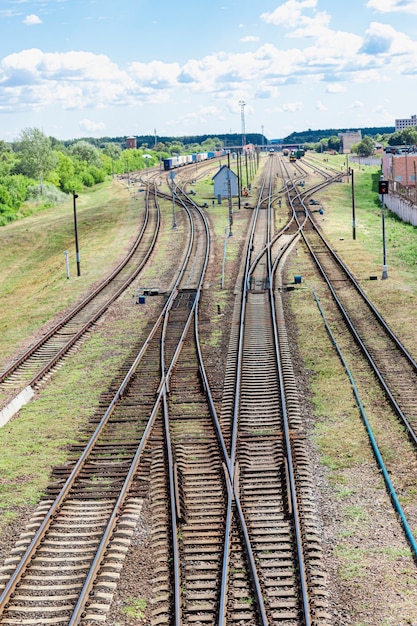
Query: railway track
235, 536
394, 367
83, 531
376, 356
28, 369
272, 485
228, 546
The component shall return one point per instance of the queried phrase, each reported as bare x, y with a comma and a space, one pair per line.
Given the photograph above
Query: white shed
221, 182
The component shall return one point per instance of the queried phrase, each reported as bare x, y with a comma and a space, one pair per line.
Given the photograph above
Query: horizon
220, 135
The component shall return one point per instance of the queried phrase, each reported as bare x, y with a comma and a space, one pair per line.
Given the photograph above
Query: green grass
135, 608
33, 283
352, 562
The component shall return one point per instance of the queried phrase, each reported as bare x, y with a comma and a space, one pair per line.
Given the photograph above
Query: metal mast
242, 105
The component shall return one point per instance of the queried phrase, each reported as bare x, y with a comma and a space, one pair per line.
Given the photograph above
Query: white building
411, 121
221, 182
348, 139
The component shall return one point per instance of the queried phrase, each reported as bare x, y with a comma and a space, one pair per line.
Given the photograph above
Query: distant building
221, 182
400, 168
400, 124
131, 143
348, 139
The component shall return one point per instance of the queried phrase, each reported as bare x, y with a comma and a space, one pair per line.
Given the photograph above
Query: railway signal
383, 189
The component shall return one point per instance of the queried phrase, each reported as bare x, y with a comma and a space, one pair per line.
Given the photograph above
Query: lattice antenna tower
242, 105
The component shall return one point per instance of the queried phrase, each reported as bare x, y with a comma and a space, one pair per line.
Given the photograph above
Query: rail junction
235, 533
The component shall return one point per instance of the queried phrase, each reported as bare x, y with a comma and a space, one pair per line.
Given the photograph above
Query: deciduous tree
36, 157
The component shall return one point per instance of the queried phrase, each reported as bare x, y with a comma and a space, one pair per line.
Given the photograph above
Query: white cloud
30, 20
32, 79
91, 127
290, 107
249, 39
335, 88
201, 115
289, 13
312, 26
156, 75
358, 104
368, 77
320, 106
391, 6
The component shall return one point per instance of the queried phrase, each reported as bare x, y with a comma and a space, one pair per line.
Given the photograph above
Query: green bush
87, 179
98, 175
48, 194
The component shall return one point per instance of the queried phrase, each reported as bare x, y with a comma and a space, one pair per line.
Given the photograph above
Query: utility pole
353, 207
174, 223
77, 252
229, 197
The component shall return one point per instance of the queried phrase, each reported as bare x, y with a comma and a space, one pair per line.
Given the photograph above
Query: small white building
221, 182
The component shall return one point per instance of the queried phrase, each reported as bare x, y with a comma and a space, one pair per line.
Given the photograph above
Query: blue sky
77, 68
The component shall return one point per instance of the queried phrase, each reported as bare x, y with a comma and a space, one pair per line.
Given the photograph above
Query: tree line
39, 171
322, 140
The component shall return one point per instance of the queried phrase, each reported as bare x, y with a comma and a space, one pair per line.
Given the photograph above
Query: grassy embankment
33, 283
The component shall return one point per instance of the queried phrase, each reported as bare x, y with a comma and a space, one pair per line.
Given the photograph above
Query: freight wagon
197, 157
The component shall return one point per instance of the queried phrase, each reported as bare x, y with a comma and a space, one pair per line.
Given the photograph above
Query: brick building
131, 143
400, 168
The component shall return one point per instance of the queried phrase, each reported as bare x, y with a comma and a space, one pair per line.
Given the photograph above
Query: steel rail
173, 507
358, 288
235, 426
288, 450
166, 375
378, 316
102, 309
161, 399
63, 494
71, 314
233, 496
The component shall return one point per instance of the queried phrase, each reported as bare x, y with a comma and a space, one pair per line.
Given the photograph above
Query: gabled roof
224, 167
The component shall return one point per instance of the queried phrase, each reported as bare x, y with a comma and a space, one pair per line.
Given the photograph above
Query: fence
402, 207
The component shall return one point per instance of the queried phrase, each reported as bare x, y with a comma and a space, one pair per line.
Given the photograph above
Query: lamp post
353, 208
77, 252
242, 105
383, 189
